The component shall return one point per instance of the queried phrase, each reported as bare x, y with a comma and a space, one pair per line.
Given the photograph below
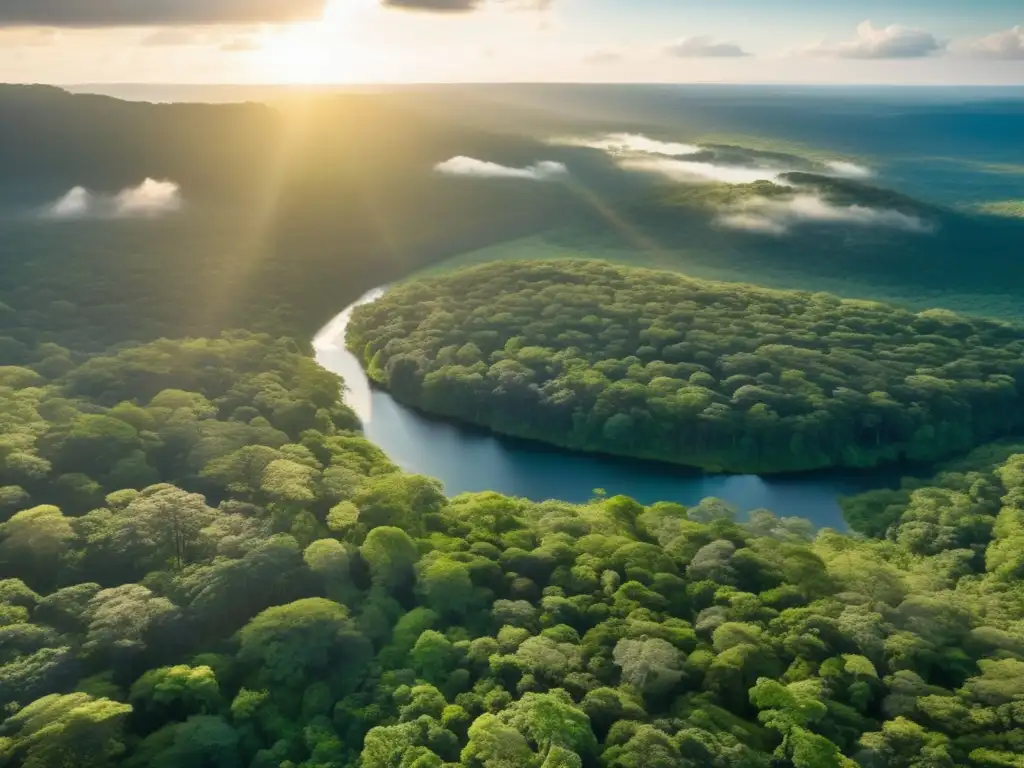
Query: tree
651, 665
289, 482
175, 693
445, 585
551, 720
168, 517
332, 562
398, 500
74, 730
202, 741
289, 643
391, 554
433, 656
904, 744
493, 744
122, 620
32, 543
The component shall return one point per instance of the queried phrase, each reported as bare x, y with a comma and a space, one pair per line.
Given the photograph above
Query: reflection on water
331, 353
467, 459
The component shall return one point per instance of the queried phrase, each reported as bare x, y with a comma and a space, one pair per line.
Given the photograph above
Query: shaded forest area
289, 210
726, 377
953, 252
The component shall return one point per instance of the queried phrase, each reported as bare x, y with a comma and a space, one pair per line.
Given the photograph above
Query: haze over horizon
940, 42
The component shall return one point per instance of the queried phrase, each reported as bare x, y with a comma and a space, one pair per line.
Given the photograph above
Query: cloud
150, 199
849, 170
1007, 44
871, 42
703, 46
75, 204
628, 143
777, 217
124, 13
481, 169
686, 171
636, 152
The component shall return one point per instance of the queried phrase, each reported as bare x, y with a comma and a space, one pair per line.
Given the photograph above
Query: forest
206, 565
726, 377
289, 210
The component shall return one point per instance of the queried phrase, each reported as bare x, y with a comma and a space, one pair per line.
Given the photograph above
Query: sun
315, 52
300, 54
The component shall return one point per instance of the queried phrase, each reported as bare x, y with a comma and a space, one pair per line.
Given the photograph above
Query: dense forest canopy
721, 376
207, 565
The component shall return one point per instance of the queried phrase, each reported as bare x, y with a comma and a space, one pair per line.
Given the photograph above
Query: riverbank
469, 460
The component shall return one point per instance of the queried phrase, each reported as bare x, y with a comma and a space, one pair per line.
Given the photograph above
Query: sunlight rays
314, 53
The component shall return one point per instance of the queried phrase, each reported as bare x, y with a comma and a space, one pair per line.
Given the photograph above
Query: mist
150, 199
699, 172
481, 169
849, 170
636, 152
777, 217
625, 143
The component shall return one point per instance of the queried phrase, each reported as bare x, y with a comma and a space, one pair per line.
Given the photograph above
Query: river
468, 459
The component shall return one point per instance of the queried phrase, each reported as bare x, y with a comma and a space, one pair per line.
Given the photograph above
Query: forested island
207, 565
725, 377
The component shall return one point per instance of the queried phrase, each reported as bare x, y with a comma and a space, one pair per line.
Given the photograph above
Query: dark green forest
726, 377
205, 564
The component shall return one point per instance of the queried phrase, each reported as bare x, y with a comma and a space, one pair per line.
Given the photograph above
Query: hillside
286, 212
802, 230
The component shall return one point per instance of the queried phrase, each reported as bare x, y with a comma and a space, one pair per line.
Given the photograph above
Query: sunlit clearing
315, 52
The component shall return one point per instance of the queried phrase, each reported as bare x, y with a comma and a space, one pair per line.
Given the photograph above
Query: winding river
468, 459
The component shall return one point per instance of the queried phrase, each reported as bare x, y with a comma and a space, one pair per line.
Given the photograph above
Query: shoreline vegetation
721, 377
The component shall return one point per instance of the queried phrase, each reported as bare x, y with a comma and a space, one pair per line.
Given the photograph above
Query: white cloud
1007, 44
777, 217
636, 152
471, 167
626, 143
148, 200
849, 170
703, 46
697, 172
871, 42
73, 205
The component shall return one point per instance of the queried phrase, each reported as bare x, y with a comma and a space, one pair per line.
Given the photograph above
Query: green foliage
725, 377
226, 579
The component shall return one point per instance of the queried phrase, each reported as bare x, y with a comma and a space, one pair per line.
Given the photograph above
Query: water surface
469, 459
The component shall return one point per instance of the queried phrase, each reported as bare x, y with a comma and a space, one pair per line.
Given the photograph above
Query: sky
838, 42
